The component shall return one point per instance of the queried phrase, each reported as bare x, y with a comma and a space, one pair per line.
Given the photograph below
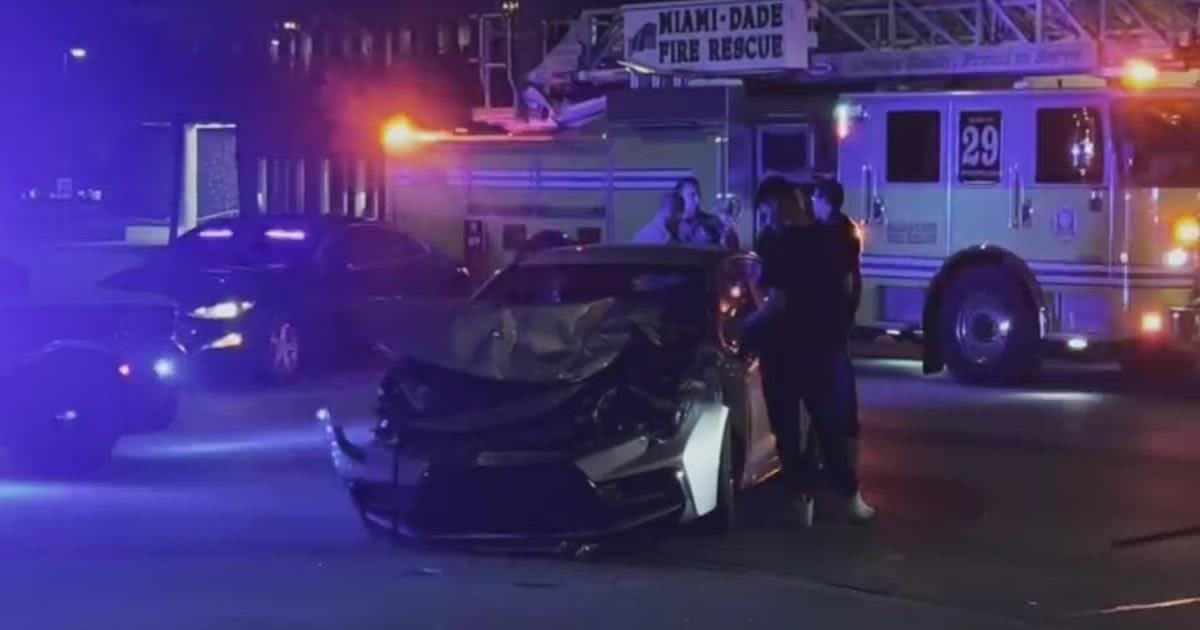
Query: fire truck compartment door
895, 178
1048, 202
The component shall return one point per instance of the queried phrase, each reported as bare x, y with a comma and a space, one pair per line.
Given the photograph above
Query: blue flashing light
277, 234
216, 233
164, 368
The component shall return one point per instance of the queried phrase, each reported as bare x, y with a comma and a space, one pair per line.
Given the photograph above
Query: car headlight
230, 309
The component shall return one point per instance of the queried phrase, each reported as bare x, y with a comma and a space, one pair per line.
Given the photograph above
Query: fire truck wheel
988, 327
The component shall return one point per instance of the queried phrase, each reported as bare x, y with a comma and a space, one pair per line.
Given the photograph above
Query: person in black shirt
810, 270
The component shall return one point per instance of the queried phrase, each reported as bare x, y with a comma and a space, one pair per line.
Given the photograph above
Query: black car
583, 391
78, 372
277, 293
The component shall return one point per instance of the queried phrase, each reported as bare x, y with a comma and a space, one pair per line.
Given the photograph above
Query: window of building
914, 147
1070, 146
406, 41
465, 35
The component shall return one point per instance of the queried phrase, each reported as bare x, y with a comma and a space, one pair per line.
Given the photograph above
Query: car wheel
65, 434
989, 330
283, 350
724, 518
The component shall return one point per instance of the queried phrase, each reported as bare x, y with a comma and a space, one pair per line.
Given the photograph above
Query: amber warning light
399, 135
1187, 232
1139, 73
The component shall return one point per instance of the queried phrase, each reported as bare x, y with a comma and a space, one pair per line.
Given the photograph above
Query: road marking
1134, 541
1172, 603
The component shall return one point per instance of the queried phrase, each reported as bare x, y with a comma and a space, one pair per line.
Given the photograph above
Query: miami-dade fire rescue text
728, 47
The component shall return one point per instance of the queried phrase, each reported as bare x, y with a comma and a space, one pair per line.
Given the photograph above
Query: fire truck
1026, 174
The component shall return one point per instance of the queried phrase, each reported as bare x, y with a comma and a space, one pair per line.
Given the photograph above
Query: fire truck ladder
589, 50
880, 39
495, 44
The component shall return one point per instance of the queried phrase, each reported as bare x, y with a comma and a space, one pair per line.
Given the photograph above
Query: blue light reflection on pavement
307, 437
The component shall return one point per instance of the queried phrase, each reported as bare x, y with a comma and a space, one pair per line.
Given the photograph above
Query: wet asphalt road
1069, 504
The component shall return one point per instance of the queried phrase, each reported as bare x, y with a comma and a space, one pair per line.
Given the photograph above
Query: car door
738, 296
408, 266
339, 291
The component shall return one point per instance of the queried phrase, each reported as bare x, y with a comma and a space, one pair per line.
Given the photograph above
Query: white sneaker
858, 509
804, 509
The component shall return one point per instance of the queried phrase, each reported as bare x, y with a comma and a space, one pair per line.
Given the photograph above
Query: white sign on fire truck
719, 37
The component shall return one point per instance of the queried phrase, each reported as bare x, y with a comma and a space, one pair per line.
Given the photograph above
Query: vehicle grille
538, 498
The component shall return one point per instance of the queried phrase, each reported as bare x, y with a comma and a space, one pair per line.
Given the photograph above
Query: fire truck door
903, 187
988, 172
1062, 207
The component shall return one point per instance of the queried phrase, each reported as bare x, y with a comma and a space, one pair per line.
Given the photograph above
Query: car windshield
1164, 138
232, 245
526, 285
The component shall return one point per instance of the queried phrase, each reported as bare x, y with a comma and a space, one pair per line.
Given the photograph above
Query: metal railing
861, 38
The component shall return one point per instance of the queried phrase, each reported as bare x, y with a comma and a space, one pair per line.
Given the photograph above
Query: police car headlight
230, 309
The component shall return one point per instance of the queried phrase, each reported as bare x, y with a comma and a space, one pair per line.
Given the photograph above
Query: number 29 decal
979, 147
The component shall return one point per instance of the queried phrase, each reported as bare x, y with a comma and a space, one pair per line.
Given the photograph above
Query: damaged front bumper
484, 496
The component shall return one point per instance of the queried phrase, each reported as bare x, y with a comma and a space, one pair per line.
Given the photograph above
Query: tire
281, 361
724, 517
66, 432
988, 328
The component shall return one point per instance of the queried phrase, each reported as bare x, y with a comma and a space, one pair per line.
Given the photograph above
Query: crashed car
583, 391
79, 372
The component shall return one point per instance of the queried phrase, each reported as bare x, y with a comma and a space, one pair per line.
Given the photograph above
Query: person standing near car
698, 227
810, 271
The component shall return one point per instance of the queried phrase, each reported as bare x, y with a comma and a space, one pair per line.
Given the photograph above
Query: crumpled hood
476, 368
532, 345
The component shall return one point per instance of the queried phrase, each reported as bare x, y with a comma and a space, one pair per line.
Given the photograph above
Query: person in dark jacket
810, 273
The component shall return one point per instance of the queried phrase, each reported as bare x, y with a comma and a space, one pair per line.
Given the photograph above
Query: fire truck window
914, 147
513, 236
1070, 146
786, 151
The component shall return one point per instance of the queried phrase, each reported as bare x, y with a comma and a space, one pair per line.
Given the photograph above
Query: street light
78, 54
